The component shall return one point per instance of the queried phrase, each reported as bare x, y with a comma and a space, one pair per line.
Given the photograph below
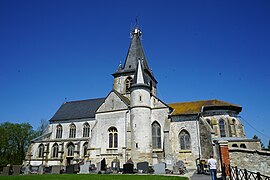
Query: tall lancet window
222, 128
41, 151
184, 139
55, 149
128, 83
86, 130
113, 137
156, 135
59, 131
70, 149
72, 131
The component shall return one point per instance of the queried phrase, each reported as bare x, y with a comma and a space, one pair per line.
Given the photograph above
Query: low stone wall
252, 160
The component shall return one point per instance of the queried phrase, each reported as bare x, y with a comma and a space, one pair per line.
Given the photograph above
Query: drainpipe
126, 138
198, 135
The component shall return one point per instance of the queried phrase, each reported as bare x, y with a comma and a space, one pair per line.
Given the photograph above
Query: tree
256, 137
42, 127
14, 142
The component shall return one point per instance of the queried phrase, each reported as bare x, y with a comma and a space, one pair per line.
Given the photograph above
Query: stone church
132, 123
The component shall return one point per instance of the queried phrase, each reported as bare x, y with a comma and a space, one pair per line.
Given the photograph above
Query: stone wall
190, 125
252, 160
205, 139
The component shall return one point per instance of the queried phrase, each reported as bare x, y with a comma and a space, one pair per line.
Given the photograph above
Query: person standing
213, 167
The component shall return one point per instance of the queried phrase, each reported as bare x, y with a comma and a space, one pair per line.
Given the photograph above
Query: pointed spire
139, 75
135, 52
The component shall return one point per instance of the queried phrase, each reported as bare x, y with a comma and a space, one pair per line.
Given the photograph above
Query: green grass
92, 176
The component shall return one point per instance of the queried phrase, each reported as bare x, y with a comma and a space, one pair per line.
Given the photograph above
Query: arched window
184, 139
41, 151
70, 149
128, 83
85, 146
234, 127
113, 137
243, 146
86, 130
235, 145
72, 131
156, 135
209, 122
222, 128
59, 131
55, 150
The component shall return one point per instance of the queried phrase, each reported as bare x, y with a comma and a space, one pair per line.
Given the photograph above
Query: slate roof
195, 107
135, 52
78, 109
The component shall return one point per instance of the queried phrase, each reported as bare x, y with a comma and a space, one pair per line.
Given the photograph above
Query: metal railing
235, 173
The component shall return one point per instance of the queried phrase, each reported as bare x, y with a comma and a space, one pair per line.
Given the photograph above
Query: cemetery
81, 170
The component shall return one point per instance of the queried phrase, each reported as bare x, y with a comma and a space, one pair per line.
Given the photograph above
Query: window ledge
185, 151
157, 150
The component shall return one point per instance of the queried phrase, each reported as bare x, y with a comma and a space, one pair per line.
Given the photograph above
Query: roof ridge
84, 100
125, 99
197, 101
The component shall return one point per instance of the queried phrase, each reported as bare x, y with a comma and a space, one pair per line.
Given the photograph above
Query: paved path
200, 177
196, 176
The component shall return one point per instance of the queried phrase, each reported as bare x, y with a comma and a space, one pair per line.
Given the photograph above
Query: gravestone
128, 168
84, 168
70, 169
26, 169
129, 161
76, 168
98, 166
169, 162
34, 169
143, 167
115, 165
48, 170
16, 169
56, 169
6, 171
92, 168
175, 169
103, 165
41, 169
178, 167
159, 168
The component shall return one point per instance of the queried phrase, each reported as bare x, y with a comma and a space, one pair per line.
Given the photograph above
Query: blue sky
54, 51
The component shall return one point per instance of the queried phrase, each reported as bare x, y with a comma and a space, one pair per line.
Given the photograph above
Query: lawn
92, 176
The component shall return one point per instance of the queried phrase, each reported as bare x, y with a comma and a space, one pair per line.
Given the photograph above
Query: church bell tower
125, 74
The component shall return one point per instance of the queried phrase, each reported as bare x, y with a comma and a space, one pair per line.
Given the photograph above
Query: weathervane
136, 29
